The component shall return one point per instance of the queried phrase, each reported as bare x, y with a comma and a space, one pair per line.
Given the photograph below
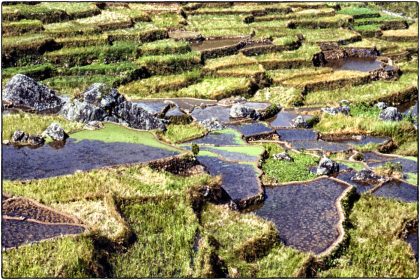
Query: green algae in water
116, 133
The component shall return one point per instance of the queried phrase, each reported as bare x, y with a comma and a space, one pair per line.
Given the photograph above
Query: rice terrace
209, 139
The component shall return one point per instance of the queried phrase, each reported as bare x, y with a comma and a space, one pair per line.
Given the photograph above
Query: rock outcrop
390, 114
299, 122
22, 138
327, 166
24, 92
242, 111
367, 176
102, 103
283, 156
212, 124
55, 132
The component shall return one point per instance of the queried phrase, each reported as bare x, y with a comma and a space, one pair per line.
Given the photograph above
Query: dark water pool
413, 240
252, 129
18, 232
355, 64
305, 214
240, 181
219, 112
46, 161
297, 134
283, 119
398, 190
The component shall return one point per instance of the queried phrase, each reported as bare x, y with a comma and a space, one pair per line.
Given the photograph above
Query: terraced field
204, 140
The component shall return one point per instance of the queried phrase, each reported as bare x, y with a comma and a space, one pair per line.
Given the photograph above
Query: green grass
66, 257
117, 133
281, 75
326, 35
170, 63
358, 11
412, 178
229, 61
217, 88
180, 133
375, 249
34, 124
151, 87
168, 20
368, 27
401, 132
74, 85
166, 46
164, 246
22, 26
119, 69
37, 72
131, 182
353, 164
367, 93
278, 171
286, 97
247, 237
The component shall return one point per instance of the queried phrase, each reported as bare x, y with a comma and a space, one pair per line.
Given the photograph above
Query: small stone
36, 140
93, 125
242, 111
212, 124
367, 176
390, 114
381, 105
299, 122
19, 136
327, 166
283, 156
55, 132
334, 111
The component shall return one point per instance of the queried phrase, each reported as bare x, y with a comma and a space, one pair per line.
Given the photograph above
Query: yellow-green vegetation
170, 63
365, 120
117, 133
217, 88
281, 75
165, 232
178, 133
35, 124
249, 245
366, 93
166, 46
125, 182
250, 150
96, 214
286, 97
331, 80
229, 61
66, 257
22, 26
322, 22
412, 178
280, 171
151, 87
405, 35
359, 12
375, 250
289, 59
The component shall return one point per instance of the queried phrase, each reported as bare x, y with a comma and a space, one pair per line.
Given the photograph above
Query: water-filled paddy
305, 214
399, 190
355, 64
46, 161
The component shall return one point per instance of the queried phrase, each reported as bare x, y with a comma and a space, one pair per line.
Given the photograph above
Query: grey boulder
241, 111
212, 124
367, 176
22, 138
24, 92
390, 114
56, 132
327, 166
381, 105
283, 156
102, 103
299, 122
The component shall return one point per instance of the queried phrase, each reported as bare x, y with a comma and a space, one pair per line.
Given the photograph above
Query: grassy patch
164, 246
180, 133
170, 63
374, 249
367, 93
412, 178
248, 244
286, 97
37, 72
151, 87
217, 88
166, 46
34, 124
278, 171
117, 133
67, 257
22, 26
229, 61
135, 181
